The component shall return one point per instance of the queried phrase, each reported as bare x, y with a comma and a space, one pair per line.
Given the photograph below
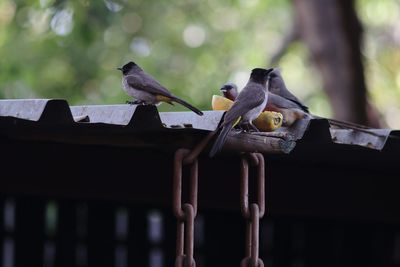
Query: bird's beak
223, 90
119, 69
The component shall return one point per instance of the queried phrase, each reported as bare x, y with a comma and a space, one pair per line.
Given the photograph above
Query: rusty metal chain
252, 212
185, 213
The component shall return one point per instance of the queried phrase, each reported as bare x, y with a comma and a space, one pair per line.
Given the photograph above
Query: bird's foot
248, 127
135, 102
254, 128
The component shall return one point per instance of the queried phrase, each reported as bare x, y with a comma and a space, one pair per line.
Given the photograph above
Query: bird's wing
250, 97
145, 82
279, 88
281, 102
289, 96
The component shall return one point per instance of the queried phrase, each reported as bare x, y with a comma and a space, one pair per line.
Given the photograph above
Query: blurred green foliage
382, 56
70, 49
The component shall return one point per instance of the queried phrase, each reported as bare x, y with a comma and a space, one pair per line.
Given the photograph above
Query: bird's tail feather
347, 124
186, 104
220, 139
353, 126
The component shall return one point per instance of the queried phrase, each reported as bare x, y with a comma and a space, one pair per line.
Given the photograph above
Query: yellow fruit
221, 103
267, 121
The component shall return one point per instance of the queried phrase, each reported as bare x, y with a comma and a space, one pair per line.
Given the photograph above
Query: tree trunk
332, 32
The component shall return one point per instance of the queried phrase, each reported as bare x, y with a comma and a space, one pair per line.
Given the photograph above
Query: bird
230, 91
281, 100
296, 109
146, 89
267, 121
278, 87
249, 103
290, 110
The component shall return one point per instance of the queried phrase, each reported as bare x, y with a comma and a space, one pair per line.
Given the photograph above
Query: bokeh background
70, 49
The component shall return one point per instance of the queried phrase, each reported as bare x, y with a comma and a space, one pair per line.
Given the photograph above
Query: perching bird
230, 91
290, 110
267, 121
247, 106
146, 90
277, 86
281, 100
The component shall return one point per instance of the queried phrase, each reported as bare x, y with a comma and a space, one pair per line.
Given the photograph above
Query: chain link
252, 212
186, 213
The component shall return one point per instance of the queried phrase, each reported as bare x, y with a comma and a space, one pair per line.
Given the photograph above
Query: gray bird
296, 110
290, 110
277, 86
147, 90
247, 106
230, 91
280, 99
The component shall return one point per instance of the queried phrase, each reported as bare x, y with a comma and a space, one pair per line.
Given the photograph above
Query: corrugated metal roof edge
145, 118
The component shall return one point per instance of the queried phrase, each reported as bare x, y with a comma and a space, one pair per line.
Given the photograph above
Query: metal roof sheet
120, 120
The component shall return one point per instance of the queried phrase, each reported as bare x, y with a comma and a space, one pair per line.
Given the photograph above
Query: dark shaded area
331, 205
